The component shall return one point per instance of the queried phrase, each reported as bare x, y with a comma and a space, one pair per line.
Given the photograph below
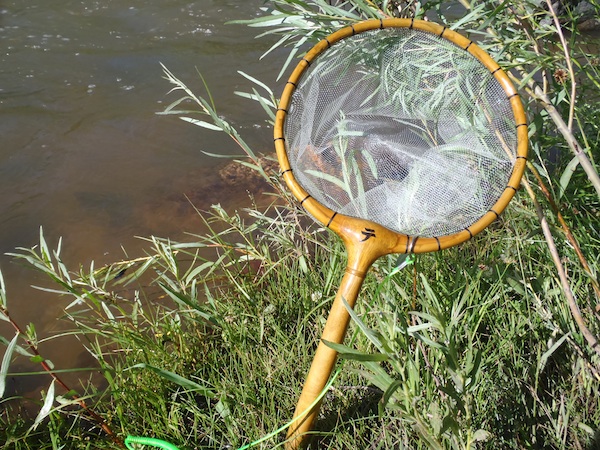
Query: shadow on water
83, 153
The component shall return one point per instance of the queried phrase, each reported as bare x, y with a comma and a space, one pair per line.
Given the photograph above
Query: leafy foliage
205, 343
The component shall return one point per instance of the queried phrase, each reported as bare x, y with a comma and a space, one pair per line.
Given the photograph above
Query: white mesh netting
403, 128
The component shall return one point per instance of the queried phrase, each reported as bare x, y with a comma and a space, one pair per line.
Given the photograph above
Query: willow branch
568, 233
563, 42
537, 94
93, 414
562, 275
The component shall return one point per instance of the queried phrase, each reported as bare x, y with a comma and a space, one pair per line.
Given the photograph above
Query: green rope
152, 442
401, 263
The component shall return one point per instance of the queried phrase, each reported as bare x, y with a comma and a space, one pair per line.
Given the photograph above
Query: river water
82, 151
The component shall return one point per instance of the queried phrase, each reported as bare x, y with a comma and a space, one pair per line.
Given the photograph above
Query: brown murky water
82, 152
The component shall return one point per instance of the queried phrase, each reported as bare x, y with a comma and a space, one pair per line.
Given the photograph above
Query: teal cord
401, 263
152, 442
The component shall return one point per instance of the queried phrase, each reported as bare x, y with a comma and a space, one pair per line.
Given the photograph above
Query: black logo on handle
369, 233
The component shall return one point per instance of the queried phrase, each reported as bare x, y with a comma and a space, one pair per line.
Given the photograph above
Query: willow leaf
46, 407
565, 178
177, 379
346, 352
327, 177
6, 362
201, 123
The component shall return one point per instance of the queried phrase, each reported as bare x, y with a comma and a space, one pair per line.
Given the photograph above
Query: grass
478, 351
206, 343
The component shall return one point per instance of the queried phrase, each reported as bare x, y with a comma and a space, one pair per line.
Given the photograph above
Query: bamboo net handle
324, 359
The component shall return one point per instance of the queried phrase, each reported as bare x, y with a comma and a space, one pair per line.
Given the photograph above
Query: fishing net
403, 128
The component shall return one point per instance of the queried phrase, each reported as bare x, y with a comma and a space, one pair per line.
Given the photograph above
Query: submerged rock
587, 16
237, 174
584, 13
